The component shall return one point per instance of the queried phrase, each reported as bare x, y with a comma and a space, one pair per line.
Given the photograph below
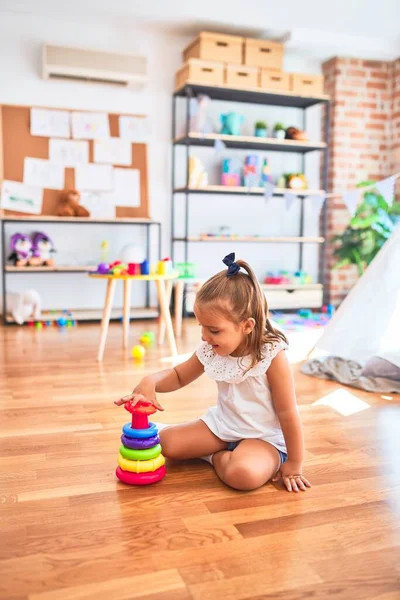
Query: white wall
21, 38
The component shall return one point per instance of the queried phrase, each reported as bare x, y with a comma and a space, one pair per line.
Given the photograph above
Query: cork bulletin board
16, 143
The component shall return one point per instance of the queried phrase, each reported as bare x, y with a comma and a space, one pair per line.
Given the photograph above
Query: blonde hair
244, 299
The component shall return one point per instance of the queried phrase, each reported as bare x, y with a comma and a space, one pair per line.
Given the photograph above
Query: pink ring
140, 478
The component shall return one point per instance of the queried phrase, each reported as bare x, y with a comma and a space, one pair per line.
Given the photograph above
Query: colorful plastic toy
186, 269
140, 461
231, 123
103, 269
145, 267
138, 352
231, 172
251, 171
147, 339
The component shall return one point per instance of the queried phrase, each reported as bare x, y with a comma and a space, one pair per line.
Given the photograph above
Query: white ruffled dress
244, 408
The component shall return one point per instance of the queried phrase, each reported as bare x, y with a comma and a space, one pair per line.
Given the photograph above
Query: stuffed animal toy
292, 133
69, 205
21, 249
24, 306
43, 247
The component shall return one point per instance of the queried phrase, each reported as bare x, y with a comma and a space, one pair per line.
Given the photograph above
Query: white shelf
242, 190
55, 269
94, 314
249, 142
81, 220
250, 238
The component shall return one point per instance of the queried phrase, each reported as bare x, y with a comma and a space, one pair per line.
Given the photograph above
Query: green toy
147, 339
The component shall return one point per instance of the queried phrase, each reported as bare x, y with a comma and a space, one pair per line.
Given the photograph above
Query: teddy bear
69, 205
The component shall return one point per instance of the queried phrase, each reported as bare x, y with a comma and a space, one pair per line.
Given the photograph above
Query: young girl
254, 433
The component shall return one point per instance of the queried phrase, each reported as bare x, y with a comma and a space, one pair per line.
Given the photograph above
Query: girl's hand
145, 391
291, 473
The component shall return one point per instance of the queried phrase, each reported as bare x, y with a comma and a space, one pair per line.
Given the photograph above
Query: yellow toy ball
138, 352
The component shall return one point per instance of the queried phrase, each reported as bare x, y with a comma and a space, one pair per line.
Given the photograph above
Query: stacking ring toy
141, 466
140, 478
139, 433
140, 444
140, 460
147, 454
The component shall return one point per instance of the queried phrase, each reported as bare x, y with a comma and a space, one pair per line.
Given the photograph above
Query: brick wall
395, 121
364, 142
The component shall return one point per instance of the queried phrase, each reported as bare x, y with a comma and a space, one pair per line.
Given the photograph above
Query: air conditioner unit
62, 62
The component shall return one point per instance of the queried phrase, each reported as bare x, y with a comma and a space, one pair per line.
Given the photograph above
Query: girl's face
225, 336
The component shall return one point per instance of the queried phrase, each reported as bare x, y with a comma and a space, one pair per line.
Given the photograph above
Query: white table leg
106, 316
179, 287
161, 329
127, 310
166, 315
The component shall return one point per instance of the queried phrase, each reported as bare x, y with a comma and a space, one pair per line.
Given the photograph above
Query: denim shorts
282, 455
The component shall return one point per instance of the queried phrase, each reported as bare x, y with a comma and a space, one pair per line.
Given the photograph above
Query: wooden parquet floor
70, 531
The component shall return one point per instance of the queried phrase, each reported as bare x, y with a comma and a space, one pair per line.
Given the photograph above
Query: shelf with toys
32, 253
253, 175
77, 315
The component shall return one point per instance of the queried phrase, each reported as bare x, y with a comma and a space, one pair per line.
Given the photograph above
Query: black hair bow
233, 267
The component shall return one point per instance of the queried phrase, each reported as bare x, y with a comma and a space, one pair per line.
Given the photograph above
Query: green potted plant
260, 129
279, 131
367, 231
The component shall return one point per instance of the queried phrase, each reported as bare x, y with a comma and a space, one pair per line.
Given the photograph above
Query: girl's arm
168, 380
280, 380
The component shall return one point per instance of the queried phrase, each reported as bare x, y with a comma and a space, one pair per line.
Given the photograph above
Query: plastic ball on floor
38, 325
138, 352
147, 339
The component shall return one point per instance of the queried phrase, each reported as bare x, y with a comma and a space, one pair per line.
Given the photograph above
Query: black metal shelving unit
7, 270
191, 90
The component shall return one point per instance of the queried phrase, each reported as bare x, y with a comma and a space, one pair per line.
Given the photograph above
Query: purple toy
140, 444
21, 249
103, 269
43, 247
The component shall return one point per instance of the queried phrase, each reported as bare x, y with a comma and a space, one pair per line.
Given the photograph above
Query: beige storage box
274, 80
241, 77
307, 85
216, 46
200, 71
279, 299
263, 53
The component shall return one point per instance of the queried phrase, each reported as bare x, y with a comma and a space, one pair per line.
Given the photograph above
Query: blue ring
140, 433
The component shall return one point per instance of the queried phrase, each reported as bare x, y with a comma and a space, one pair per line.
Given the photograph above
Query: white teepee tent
367, 322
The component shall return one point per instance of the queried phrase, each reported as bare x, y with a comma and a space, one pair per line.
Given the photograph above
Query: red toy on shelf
140, 461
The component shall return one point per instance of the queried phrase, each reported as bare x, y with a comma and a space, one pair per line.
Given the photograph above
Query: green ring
147, 454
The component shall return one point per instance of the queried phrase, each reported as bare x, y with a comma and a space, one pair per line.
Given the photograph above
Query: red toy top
140, 412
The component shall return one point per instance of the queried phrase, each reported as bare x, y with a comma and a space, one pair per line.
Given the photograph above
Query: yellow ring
141, 466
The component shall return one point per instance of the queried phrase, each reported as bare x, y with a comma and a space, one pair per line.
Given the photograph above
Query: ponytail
240, 289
